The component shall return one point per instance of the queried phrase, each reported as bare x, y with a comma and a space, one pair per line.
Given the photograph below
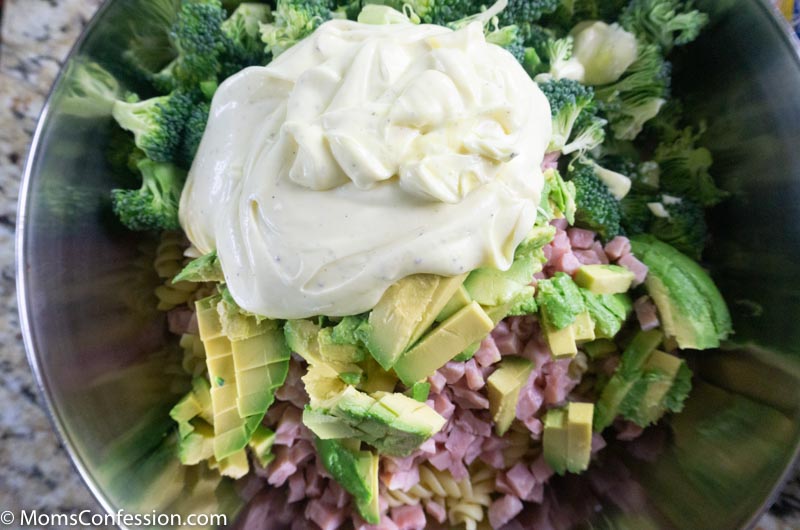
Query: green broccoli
666, 23
596, 208
243, 46
568, 99
685, 227
518, 11
442, 12
198, 38
638, 95
150, 48
509, 38
588, 132
88, 90
155, 205
157, 123
684, 169
292, 21
559, 300
635, 213
570, 12
193, 133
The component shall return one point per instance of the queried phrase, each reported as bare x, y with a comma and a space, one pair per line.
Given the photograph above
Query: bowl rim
25, 317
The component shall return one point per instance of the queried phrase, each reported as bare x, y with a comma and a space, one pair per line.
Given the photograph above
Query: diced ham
458, 470
627, 431
289, 427
541, 470
601, 253
397, 463
314, 480
386, 523
469, 422
494, 443
587, 257
507, 342
458, 442
487, 353
248, 486
428, 446
550, 160
503, 510
646, 313
469, 399
536, 494
293, 390
559, 246
638, 268
567, 262
618, 247
335, 495
440, 460
520, 479
452, 372
530, 399
560, 224
301, 452
282, 467
409, 517
473, 375
436, 511
535, 427
494, 458
557, 383
326, 516
401, 480
473, 451
182, 320
580, 238
297, 488
502, 485
598, 442
443, 405
437, 382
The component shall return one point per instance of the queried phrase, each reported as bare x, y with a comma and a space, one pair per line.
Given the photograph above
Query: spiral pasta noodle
168, 262
465, 501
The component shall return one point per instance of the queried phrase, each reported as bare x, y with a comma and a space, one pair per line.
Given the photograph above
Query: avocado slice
584, 327
405, 311
244, 375
261, 445
235, 465
600, 348
196, 445
193, 414
604, 279
562, 342
456, 302
567, 437
419, 391
664, 384
391, 422
608, 312
376, 379
633, 359
691, 308
356, 471
303, 337
504, 386
332, 352
467, 326
203, 269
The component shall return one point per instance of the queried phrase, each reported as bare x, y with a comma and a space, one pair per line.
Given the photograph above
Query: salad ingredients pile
438, 252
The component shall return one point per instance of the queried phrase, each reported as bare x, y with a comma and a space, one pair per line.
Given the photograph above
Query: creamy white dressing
360, 156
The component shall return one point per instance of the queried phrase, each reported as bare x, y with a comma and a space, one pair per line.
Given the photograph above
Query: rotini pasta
465, 501
168, 262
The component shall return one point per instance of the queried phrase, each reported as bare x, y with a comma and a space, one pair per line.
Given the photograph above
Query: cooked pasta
465, 501
168, 262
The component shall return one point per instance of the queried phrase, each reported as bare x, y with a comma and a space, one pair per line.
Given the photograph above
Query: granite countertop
35, 472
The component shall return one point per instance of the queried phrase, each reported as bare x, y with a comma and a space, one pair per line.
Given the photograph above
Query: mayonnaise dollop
362, 155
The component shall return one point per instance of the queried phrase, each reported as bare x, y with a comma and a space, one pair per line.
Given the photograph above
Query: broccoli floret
568, 99
199, 40
596, 207
193, 133
157, 123
442, 12
684, 228
570, 12
527, 10
509, 38
636, 215
639, 95
243, 46
155, 205
88, 90
150, 48
293, 20
588, 132
684, 169
666, 23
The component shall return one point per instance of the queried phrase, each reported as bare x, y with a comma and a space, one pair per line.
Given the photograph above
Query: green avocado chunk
567, 437
391, 422
456, 302
455, 334
504, 386
405, 311
203, 269
560, 301
356, 471
691, 307
608, 311
604, 279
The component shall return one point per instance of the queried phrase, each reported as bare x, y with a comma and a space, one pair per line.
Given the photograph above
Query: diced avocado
444, 292
235, 465
238, 324
261, 445
244, 375
633, 359
584, 327
561, 341
690, 306
600, 348
351, 378
664, 383
608, 312
320, 385
356, 471
604, 279
330, 351
398, 315
195, 403
504, 386
393, 423
456, 302
376, 379
302, 337
196, 445
194, 415
567, 438
419, 391
467, 326
203, 269
468, 353
538, 237
350, 330
560, 301
524, 302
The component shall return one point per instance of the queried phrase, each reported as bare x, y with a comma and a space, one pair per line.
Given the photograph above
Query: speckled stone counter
35, 472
